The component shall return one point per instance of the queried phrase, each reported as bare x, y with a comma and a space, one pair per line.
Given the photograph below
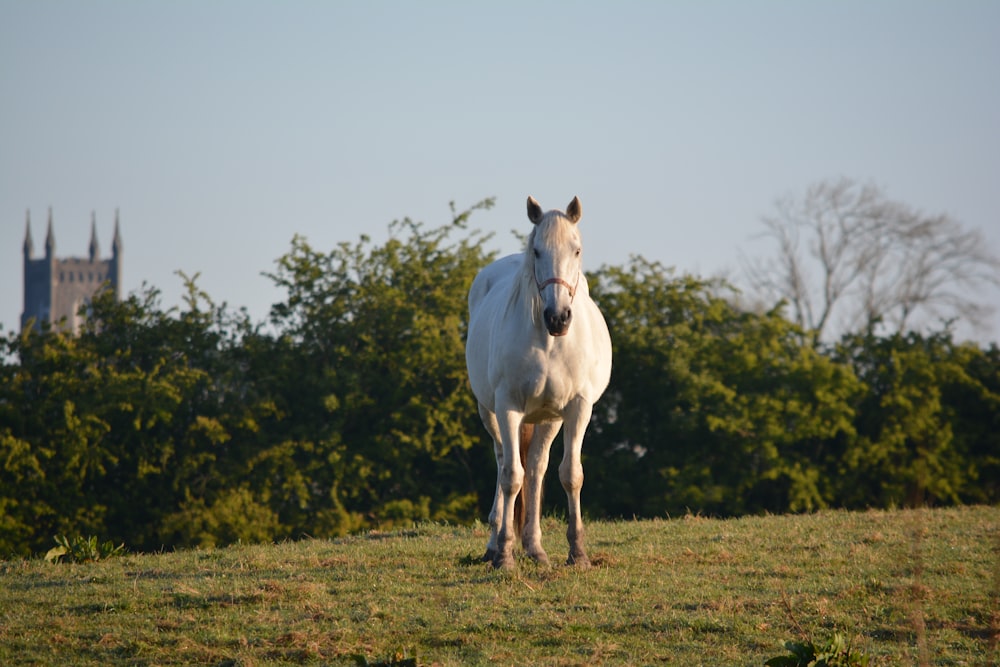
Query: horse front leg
490, 422
534, 477
511, 481
571, 476
495, 514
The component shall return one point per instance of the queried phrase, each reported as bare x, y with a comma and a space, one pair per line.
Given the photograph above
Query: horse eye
577, 252
537, 254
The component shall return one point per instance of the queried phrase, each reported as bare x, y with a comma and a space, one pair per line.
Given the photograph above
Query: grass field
905, 587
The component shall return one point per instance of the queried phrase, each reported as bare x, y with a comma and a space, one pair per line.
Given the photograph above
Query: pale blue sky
221, 129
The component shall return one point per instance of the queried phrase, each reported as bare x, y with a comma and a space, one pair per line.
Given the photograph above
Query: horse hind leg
524, 445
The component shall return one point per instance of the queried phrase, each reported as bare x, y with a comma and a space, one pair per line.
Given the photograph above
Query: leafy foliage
927, 423
835, 653
373, 339
192, 426
83, 549
350, 409
710, 407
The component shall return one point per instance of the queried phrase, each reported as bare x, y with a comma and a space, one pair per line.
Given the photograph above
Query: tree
111, 431
709, 408
926, 422
372, 385
849, 259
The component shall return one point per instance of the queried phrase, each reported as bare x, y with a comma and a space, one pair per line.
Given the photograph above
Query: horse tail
526, 432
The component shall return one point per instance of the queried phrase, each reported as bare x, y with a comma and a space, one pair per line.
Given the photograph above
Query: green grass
907, 587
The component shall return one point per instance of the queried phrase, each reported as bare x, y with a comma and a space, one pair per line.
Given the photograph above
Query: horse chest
542, 386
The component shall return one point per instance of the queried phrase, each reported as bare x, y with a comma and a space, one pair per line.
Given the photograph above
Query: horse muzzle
557, 321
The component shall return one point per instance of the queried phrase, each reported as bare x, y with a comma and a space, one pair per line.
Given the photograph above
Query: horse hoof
504, 562
542, 559
580, 562
489, 556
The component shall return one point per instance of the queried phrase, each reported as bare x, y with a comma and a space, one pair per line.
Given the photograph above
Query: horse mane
524, 292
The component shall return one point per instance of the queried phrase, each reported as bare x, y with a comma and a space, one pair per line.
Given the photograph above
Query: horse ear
574, 210
534, 210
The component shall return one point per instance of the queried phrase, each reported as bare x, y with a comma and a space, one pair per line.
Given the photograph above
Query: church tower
56, 289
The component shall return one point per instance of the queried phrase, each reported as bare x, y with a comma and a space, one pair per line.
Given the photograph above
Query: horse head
554, 248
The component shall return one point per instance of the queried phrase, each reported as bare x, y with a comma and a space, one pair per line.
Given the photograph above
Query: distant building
58, 288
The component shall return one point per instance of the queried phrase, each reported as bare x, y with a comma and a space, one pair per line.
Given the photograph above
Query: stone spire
95, 250
29, 244
116, 242
50, 239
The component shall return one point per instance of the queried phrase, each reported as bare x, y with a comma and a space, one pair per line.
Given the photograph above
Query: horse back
501, 271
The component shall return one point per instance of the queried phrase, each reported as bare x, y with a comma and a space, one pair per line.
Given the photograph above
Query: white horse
539, 357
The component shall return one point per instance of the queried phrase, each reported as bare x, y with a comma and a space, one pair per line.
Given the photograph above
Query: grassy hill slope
906, 587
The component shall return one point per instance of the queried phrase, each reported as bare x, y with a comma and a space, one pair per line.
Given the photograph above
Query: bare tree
850, 259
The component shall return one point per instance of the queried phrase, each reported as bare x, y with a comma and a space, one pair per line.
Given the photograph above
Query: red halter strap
560, 281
